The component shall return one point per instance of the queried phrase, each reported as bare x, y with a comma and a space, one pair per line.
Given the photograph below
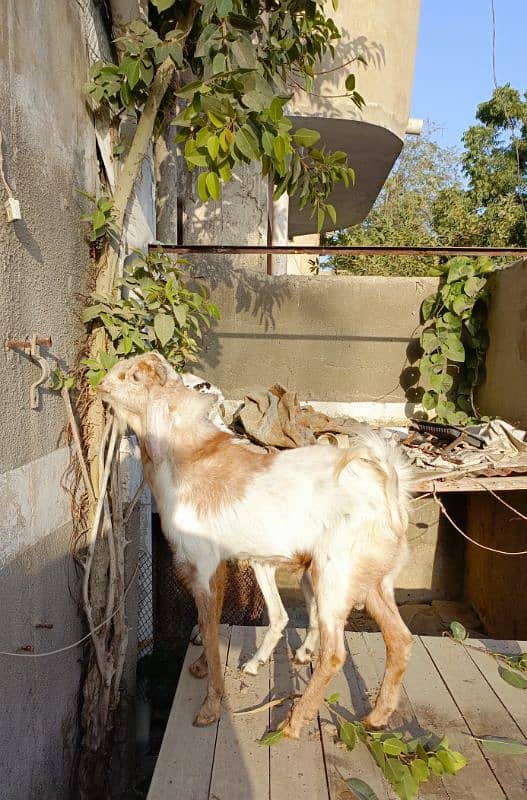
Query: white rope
473, 541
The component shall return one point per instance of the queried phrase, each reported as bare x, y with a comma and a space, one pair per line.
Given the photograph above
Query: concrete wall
49, 154
335, 339
505, 387
495, 584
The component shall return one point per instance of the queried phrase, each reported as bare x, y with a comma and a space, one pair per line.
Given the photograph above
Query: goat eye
135, 377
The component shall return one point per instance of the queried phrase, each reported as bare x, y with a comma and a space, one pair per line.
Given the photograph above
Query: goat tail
392, 467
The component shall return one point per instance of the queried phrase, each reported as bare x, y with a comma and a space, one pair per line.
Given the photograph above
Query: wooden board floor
448, 690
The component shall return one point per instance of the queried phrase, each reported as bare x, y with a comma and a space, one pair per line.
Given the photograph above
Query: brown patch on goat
216, 472
300, 561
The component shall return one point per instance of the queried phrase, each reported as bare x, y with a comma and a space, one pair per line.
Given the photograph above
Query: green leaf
419, 770
377, 751
459, 632
246, 143
459, 267
429, 341
305, 137
429, 401
435, 765
213, 185
92, 312
350, 83
474, 285
333, 699
332, 213
203, 192
427, 307
360, 789
218, 63
133, 72
453, 348
108, 360
347, 735
162, 5
513, 678
223, 8
213, 146
394, 747
321, 215
271, 738
180, 313
441, 383
499, 744
164, 327
244, 53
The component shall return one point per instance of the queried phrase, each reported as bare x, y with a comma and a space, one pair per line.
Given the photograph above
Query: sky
453, 69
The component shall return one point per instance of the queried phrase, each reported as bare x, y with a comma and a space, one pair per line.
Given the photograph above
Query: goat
342, 513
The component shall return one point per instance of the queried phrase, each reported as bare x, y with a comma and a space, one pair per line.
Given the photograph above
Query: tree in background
435, 196
492, 209
404, 211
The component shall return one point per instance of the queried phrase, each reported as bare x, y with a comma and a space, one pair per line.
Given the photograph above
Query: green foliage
124, 86
405, 763
100, 219
455, 339
156, 310
246, 57
512, 668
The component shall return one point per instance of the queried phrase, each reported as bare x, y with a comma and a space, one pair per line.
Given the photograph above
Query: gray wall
49, 154
328, 338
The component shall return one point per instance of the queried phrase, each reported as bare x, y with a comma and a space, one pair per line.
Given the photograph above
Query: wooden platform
447, 690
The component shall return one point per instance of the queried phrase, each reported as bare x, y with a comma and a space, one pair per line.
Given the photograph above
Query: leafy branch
513, 669
155, 310
246, 64
455, 340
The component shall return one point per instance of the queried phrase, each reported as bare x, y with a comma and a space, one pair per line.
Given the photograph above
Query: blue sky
453, 70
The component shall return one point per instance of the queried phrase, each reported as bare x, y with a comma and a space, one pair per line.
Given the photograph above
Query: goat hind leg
380, 604
278, 619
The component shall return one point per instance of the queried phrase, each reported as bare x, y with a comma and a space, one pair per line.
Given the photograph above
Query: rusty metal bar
312, 250
25, 344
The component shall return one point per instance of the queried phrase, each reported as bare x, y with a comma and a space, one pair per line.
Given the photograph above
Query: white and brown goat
341, 513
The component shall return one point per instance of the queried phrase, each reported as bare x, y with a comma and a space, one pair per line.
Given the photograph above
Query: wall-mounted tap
32, 346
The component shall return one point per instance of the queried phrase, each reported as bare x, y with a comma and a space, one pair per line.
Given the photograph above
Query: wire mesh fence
167, 612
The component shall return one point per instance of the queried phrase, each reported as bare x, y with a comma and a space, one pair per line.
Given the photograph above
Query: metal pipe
331, 251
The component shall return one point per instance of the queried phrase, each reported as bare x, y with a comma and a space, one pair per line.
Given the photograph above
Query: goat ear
157, 428
150, 371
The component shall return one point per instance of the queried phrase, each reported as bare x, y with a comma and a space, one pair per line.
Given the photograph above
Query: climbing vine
454, 340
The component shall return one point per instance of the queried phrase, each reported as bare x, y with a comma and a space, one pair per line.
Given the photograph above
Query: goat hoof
207, 716
303, 656
251, 667
199, 668
375, 723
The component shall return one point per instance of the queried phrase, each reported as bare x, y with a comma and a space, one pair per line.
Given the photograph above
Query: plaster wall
328, 338
49, 155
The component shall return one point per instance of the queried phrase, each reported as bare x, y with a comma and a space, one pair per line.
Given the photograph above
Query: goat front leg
278, 619
199, 667
208, 601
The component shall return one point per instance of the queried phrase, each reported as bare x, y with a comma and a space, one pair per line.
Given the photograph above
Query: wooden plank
435, 711
512, 698
241, 765
405, 718
296, 767
482, 710
353, 704
502, 484
183, 767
